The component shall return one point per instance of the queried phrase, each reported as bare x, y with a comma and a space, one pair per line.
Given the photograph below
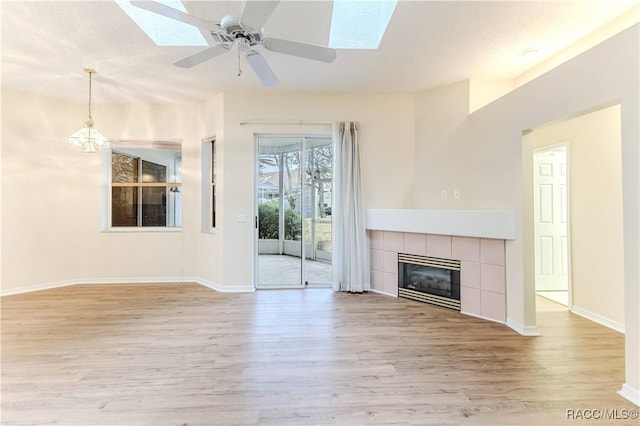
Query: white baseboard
632, 394
223, 288
533, 330
469, 314
135, 280
614, 325
382, 292
127, 280
36, 287
525, 330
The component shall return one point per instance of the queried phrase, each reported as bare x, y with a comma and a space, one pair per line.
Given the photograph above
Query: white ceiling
46, 44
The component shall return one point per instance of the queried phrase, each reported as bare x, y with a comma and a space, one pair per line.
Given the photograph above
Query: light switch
242, 218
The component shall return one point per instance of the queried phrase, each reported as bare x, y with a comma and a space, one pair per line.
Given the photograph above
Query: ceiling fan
245, 32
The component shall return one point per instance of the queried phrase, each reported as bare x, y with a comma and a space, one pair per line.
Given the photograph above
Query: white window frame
209, 181
107, 203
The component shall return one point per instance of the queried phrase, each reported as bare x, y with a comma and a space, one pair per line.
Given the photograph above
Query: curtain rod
294, 122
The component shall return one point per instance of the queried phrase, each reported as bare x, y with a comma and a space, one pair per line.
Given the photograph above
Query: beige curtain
350, 248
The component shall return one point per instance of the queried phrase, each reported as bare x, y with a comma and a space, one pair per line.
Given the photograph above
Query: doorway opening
293, 199
595, 242
551, 223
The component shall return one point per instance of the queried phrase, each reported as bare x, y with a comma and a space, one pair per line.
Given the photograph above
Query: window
145, 185
359, 24
162, 30
209, 185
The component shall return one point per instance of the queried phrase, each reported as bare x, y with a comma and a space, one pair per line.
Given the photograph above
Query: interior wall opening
595, 266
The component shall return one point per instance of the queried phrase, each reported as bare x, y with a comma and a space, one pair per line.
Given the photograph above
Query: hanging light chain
90, 72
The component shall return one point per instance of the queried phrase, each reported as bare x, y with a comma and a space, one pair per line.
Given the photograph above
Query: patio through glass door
293, 211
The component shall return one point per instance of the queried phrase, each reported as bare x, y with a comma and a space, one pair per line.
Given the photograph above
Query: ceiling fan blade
261, 68
201, 56
304, 50
256, 13
178, 15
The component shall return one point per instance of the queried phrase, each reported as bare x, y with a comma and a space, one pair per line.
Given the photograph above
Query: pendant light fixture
88, 139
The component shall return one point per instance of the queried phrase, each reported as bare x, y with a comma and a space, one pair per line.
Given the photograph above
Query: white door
550, 219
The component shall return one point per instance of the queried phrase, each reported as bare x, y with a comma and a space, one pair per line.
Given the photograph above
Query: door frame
539, 150
256, 239
306, 140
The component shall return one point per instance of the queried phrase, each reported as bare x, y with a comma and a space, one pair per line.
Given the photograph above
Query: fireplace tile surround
482, 276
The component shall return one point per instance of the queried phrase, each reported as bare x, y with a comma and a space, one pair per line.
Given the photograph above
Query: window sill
160, 229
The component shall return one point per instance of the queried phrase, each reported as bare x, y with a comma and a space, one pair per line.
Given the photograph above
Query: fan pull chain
239, 69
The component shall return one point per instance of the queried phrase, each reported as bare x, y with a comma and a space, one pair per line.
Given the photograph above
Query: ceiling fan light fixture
88, 139
243, 33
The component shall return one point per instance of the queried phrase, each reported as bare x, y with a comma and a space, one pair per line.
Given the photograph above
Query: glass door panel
318, 196
279, 199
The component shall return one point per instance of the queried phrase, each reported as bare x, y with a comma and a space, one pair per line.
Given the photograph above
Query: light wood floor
187, 355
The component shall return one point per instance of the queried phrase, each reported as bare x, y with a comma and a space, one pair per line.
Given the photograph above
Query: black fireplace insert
429, 279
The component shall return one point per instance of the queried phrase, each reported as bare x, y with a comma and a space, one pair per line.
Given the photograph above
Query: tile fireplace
482, 267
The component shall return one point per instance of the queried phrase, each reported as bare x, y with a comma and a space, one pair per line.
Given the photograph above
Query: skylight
359, 24
164, 31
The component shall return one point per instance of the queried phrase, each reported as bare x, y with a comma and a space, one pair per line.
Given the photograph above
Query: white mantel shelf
464, 223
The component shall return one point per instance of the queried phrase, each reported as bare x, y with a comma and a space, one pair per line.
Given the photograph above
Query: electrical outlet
456, 194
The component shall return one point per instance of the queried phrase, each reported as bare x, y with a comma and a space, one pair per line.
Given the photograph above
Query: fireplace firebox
430, 280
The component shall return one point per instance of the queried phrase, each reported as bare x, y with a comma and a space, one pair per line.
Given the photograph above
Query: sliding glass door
293, 205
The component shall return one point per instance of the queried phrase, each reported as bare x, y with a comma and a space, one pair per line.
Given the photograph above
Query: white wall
441, 121
595, 196
46, 195
61, 227
386, 136
484, 91
52, 194
202, 253
155, 254
450, 154
487, 147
